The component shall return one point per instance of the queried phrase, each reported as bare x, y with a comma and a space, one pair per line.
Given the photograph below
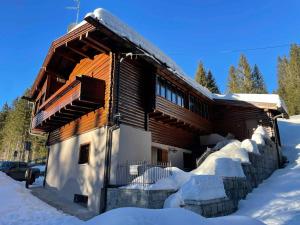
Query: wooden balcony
174, 115
70, 102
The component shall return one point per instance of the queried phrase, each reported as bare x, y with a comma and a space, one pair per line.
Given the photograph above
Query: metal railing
141, 173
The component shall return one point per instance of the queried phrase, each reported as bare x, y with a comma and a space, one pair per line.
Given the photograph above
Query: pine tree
288, 72
16, 131
211, 83
245, 75
259, 86
200, 76
234, 84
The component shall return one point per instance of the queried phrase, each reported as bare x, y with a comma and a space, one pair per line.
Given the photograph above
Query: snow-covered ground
277, 200
19, 207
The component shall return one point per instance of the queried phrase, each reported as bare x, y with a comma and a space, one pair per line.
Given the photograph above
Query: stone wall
121, 197
236, 188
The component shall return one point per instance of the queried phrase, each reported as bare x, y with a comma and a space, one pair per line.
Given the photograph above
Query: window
174, 97
84, 153
196, 106
162, 155
81, 199
169, 92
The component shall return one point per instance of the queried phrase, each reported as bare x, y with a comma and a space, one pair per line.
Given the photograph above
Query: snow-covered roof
259, 98
123, 30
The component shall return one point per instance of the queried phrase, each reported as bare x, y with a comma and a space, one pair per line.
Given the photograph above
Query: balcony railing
175, 115
81, 96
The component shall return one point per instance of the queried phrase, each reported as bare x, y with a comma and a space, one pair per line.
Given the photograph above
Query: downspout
109, 137
277, 138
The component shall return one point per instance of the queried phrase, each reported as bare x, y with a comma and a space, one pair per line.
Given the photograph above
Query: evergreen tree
289, 79
15, 132
3, 116
200, 76
234, 84
244, 74
259, 86
211, 83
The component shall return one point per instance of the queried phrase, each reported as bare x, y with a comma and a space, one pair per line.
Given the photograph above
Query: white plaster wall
129, 144
68, 177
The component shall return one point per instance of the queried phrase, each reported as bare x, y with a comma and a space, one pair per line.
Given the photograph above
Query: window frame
79, 153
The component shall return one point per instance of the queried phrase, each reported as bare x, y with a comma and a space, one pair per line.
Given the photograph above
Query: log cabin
105, 95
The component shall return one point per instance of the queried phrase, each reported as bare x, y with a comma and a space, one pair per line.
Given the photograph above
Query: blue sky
188, 31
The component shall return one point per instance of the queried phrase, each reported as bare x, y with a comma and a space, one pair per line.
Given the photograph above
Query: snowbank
250, 146
35, 212
197, 188
261, 98
261, 130
258, 139
150, 175
171, 216
220, 166
19, 207
123, 30
172, 182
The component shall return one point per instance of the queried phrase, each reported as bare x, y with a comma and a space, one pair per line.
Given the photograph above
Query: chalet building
105, 96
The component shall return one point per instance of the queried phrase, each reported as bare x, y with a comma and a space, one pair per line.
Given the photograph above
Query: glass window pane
168, 94
157, 87
174, 97
162, 90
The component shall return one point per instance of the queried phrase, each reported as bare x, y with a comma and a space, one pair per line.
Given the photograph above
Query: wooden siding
99, 68
182, 114
132, 93
173, 136
233, 119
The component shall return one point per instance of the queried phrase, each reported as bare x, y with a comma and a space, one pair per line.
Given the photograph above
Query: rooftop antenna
77, 8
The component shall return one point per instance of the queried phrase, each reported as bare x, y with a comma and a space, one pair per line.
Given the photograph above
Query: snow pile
258, 138
171, 216
250, 146
259, 98
150, 176
197, 188
261, 130
259, 135
220, 166
123, 30
172, 182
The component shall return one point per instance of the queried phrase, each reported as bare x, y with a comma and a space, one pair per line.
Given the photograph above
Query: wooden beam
97, 43
77, 51
93, 46
66, 56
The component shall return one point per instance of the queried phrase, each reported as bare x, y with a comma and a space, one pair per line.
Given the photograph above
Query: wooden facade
86, 81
